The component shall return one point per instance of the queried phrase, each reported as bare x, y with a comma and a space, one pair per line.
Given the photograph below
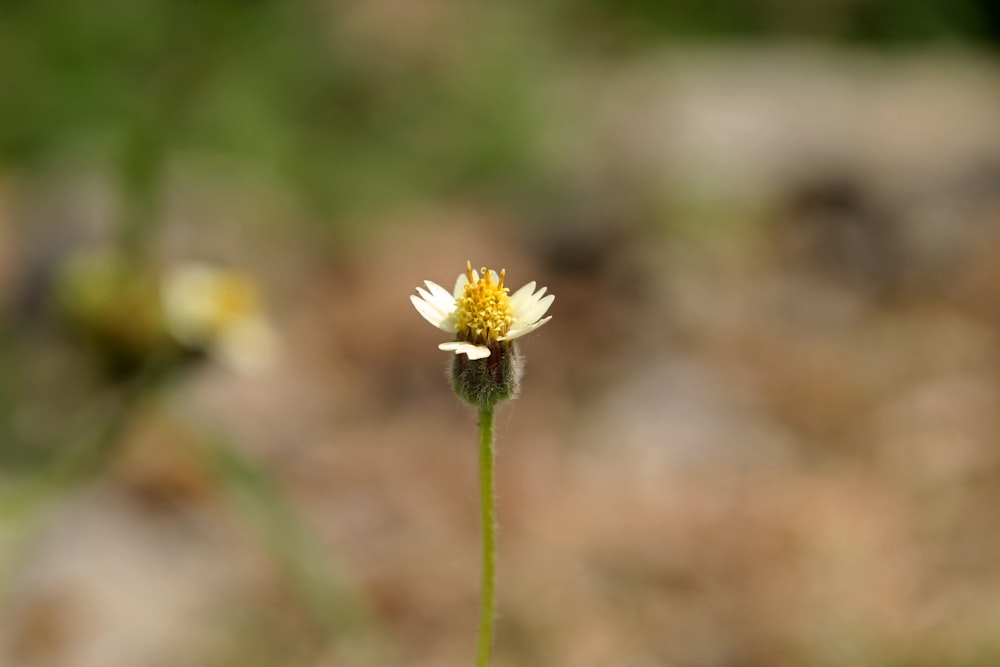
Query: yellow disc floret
483, 312
234, 298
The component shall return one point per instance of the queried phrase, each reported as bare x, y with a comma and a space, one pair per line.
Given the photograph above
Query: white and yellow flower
481, 312
218, 311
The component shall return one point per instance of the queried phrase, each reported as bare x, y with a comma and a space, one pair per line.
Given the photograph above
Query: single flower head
481, 312
486, 319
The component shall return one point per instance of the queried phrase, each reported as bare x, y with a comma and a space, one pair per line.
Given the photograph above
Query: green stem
91, 455
488, 501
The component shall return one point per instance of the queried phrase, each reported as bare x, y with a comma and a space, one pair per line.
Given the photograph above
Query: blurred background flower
218, 312
764, 429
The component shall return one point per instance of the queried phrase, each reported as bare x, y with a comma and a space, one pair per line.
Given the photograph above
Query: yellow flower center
233, 299
483, 311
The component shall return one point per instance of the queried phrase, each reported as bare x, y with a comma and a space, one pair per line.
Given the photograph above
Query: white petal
426, 310
495, 277
532, 312
251, 347
440, 294
460, 284
441, 302
520, 295
189, 302
528, 301
520, 331
427, 299
468, 349
443, 321
442, 306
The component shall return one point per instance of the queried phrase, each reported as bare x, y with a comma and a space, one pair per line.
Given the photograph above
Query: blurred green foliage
271, 85
285, 89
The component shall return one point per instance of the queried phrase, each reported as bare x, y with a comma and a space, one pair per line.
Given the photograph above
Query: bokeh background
760, 431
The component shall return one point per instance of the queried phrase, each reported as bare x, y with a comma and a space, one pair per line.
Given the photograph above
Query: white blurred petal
251, 347
188, 297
